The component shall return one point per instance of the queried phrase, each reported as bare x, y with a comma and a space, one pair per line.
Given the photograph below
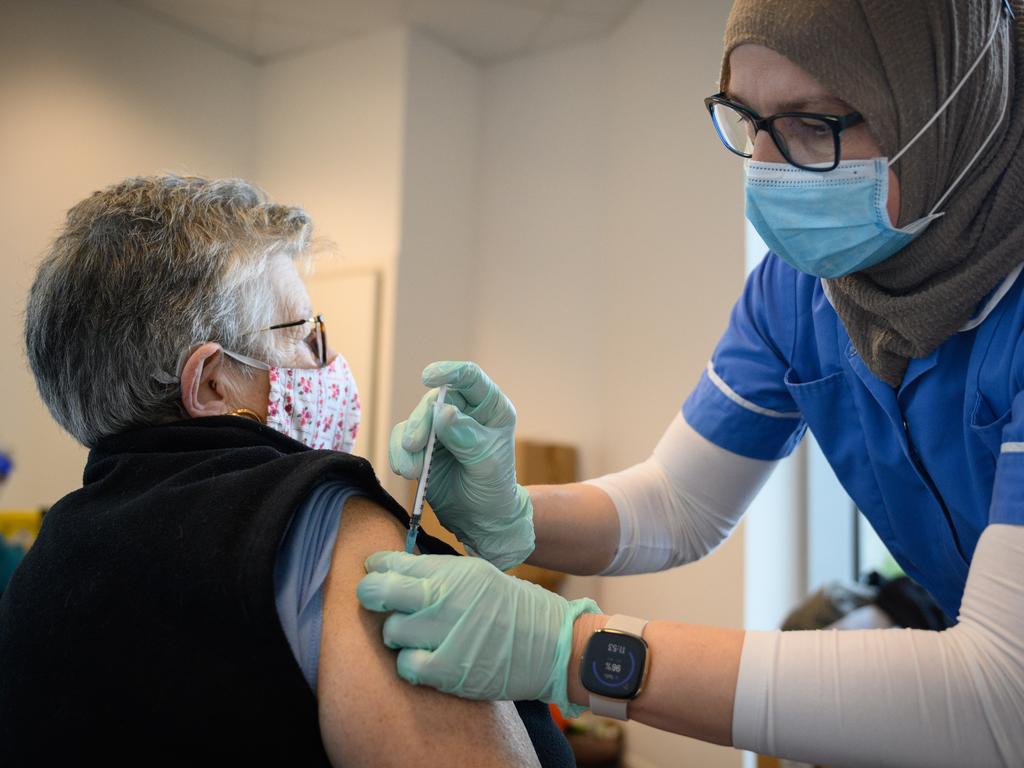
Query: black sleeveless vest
141, 626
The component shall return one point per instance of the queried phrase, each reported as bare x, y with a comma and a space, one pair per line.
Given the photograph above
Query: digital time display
613, 664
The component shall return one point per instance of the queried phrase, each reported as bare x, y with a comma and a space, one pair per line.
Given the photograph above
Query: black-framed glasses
311, 329
807, 140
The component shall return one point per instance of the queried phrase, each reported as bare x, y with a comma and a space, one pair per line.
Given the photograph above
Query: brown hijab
896, 61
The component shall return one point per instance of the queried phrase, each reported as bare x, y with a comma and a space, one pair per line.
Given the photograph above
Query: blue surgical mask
827, 224
835, 223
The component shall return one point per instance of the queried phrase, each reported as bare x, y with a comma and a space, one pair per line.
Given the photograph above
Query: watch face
613, 664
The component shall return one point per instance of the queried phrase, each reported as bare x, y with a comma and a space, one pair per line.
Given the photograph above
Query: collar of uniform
993, 299
982, 314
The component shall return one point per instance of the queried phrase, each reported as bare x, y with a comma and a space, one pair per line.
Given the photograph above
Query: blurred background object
18, 528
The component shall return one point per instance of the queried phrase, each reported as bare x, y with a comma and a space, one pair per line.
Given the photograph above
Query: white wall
91, 93
329, 127
541, 294
611, 250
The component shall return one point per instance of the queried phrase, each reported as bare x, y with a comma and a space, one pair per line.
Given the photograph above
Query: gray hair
143, 272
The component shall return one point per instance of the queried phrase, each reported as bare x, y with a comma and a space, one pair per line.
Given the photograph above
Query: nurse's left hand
466, 628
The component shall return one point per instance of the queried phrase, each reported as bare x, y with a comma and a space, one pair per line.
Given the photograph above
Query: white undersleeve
681, 503
898, 697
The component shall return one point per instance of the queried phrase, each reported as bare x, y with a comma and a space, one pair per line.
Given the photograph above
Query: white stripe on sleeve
741, 401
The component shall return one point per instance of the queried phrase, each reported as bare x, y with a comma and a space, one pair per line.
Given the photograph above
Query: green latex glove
466, 628
472, 486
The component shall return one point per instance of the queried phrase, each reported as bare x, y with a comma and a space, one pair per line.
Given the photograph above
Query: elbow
992, 686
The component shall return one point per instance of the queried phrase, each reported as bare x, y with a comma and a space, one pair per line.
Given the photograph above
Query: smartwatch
614, 666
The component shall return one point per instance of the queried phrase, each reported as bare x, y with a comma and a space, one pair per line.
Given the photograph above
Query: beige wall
329, 128
91, 93
542, 288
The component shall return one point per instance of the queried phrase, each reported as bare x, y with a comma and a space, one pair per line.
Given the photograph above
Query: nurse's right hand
472, 486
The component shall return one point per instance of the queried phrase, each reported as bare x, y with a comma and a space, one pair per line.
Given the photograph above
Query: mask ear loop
942, 108
165, 378
952, 95
246, 360
984, 144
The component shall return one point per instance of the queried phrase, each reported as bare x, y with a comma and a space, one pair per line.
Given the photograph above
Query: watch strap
628, 624
603, 705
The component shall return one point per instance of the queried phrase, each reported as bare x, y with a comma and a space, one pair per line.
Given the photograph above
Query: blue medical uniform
930, 463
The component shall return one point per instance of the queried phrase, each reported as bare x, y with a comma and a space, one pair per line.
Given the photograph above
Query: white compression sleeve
681, 503
898, 697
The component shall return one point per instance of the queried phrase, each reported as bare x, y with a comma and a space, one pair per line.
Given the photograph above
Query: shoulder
1015, 326
368, 715
779, 308
774, 276
997, 340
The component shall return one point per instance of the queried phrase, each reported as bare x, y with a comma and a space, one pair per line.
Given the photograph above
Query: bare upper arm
369, 715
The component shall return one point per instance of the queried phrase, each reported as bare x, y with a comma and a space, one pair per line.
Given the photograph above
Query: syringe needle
421, 486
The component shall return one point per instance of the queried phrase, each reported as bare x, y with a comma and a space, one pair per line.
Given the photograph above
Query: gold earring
246, 413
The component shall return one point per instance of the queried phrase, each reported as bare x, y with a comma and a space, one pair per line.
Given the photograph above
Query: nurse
884, 146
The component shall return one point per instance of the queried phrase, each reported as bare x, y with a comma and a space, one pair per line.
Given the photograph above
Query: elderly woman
195, 600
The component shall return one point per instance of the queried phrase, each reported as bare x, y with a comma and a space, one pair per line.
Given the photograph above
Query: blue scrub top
930, 464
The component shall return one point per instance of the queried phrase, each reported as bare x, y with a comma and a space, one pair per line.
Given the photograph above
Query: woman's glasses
311, 330
807, 140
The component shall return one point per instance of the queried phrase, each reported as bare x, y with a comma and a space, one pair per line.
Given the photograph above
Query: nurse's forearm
576, 526
898, 697
691, 682
672, 509
886, 697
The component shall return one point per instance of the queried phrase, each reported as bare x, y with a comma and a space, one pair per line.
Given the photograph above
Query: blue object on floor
10, 555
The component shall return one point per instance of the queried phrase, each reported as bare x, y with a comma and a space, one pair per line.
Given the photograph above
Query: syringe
421, 486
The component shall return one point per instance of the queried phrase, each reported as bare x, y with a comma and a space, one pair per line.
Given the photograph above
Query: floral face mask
319, 407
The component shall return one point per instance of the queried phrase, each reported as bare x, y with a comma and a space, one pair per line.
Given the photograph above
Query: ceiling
486, 31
